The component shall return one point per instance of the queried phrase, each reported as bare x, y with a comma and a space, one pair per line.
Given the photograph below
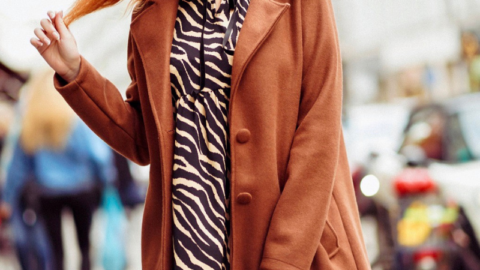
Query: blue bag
113, 254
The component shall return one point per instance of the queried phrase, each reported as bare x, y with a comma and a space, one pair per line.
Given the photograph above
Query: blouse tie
228, 31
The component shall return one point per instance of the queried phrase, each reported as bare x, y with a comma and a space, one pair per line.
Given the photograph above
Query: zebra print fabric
201, 170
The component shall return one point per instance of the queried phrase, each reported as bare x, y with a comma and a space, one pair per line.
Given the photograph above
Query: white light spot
369, 185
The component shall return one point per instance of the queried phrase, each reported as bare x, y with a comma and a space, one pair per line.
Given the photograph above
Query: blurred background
411, 120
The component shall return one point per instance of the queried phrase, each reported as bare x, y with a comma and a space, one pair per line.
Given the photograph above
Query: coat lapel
260, 19
153, 34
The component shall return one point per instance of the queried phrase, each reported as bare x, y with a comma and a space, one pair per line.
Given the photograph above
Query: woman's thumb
60, 24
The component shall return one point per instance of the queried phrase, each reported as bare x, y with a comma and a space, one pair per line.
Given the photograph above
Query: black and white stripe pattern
200, 191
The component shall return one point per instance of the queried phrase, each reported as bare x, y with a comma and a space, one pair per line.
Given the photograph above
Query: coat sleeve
101, 106
300, 214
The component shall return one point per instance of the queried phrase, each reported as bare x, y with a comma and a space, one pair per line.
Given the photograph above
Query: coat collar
153, 30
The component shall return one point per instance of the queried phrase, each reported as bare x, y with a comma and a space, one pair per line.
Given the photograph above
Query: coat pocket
329, 240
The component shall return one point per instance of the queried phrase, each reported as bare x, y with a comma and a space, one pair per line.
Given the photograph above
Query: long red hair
83, 7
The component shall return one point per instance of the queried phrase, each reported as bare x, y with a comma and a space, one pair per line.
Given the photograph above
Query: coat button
244, 198
243, 135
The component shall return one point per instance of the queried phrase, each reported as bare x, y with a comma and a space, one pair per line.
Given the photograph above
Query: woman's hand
57, 46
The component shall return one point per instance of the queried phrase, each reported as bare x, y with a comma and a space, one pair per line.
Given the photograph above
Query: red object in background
414, 181
427, 253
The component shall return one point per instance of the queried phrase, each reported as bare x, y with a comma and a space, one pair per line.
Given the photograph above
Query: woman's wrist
73, 72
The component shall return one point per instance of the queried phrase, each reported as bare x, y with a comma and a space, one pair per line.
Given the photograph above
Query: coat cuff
274, 264
63, 86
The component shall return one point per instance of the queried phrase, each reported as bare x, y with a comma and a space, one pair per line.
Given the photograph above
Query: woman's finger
36, 43
48, 27
42, 36
51, 15
60, 24
39, 45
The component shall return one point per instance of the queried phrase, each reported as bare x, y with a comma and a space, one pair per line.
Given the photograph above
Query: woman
65, 160
239, 99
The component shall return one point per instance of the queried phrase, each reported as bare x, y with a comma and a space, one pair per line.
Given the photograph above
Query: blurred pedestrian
293, 201
27, 231
68, 163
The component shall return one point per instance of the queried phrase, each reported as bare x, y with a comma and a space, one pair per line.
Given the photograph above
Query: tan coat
293, 204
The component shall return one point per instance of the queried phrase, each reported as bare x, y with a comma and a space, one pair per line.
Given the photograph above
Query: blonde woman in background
67, 162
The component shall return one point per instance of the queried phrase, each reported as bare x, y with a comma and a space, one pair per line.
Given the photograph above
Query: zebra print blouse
200, 67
